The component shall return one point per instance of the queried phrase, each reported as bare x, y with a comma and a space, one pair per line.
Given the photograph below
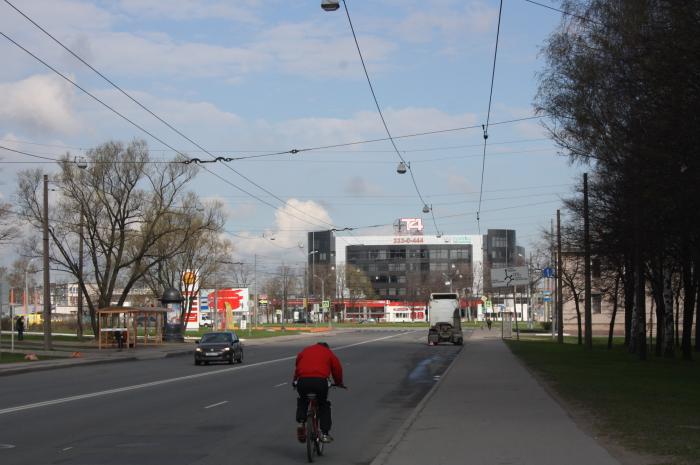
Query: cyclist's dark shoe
301, 432
326, 438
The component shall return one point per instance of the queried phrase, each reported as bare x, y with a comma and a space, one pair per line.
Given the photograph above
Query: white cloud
286, 238
39, 103
359, 186
450, 21
458, 184
187, 10
366, 124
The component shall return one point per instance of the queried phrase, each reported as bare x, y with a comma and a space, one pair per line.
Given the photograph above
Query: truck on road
444, 317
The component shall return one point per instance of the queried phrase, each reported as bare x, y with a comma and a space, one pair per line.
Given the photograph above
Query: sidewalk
489, 410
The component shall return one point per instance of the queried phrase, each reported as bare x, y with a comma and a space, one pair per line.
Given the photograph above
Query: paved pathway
489, 410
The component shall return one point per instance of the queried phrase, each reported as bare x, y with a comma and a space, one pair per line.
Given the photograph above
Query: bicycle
314, 444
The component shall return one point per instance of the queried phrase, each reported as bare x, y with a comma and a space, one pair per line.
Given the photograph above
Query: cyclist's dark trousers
318, 386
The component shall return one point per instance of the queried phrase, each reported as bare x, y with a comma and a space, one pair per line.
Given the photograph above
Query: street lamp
323, 290
330, 5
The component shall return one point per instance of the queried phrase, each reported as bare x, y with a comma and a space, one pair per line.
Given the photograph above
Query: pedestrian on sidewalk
20, 328
488, 322
119, 338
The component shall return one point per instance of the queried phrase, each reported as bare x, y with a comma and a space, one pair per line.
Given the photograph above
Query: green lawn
415, 324
246, 334
652, 407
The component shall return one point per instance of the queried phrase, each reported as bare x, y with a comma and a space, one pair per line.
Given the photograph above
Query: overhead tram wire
122, 91
141, 128
345, 144
567, 13
379, 110
28, 154
488, 115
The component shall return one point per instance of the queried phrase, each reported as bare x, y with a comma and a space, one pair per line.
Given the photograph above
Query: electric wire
488, 114
324, 147
379, 109
161, 119
567, 13
141, 128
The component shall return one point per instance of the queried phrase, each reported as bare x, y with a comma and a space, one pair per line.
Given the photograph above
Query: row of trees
622, 88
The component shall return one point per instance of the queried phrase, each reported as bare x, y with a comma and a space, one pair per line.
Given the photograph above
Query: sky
251, 77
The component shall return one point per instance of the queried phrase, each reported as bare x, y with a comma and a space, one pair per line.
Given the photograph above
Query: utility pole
255, 289
551, 285
560, 300
47, 280
588, 328
80, 277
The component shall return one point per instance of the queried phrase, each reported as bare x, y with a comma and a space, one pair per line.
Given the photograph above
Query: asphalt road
169, 411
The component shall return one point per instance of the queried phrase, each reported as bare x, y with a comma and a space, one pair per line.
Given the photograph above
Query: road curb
31, 369
386, 451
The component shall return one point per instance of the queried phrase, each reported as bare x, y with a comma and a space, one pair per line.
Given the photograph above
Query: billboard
230, 305
510, 276
190, 282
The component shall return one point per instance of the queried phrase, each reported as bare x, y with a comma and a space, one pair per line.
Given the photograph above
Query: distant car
205, 321
368, 320
218, 347
303, 320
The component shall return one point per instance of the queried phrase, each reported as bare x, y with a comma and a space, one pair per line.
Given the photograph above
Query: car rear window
216, 337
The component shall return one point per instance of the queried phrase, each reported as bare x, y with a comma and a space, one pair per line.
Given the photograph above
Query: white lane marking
67, 448
7, 446
161, 382
279, 385
217, 404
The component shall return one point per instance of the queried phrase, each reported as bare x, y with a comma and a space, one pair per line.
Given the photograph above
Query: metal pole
216, 301
550, 284
515, 310
255, 291
80, 277
12, 328
560, 300
47, 280
588, 331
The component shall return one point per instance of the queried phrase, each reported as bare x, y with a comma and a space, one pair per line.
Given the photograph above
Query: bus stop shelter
135, 325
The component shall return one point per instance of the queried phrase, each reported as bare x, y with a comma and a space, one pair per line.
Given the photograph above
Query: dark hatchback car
218, 347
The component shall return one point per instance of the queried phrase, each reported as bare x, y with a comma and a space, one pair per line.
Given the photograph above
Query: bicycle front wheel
310, 439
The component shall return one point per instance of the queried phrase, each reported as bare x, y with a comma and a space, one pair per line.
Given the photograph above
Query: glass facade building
404, 272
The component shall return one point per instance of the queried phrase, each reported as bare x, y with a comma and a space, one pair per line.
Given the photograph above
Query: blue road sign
548, 272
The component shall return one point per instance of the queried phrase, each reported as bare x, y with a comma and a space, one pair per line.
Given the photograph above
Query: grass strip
651, 407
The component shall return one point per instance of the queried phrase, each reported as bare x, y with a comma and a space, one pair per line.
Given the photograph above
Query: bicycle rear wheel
310, 439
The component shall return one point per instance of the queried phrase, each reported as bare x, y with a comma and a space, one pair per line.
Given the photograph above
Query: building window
596, 303
439, 254
499, 242
438, 266
397, 253
402, 290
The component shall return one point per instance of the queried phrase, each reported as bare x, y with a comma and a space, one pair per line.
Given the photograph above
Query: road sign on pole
548, 272
511, 276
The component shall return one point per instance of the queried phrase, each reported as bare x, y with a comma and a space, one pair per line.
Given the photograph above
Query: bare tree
129, 205
8, 223
202, 253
